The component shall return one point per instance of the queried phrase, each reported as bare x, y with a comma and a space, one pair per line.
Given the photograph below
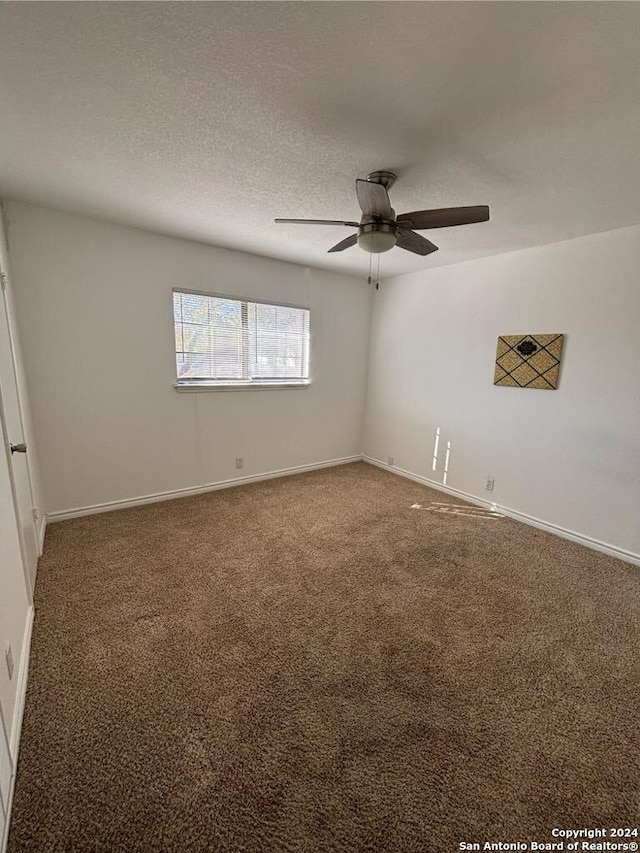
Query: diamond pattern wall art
528, 361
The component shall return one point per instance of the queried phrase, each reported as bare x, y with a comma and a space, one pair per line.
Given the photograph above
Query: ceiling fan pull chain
378, 274
370, 263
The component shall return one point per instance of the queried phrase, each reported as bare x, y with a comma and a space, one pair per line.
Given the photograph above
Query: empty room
320, 408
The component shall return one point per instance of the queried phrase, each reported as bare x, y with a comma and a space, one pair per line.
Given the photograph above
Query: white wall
95, 316
570, 457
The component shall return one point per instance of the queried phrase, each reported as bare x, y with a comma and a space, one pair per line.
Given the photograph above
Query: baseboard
549, 527
14, 736
432, 484
196, 490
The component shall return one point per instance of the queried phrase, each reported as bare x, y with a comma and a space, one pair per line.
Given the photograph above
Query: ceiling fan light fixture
376, 238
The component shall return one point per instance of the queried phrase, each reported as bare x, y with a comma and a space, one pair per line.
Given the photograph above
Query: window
226, 342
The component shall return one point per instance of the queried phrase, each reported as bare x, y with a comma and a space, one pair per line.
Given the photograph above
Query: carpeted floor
315, 664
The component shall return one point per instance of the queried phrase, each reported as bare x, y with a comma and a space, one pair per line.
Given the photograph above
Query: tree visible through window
225, 341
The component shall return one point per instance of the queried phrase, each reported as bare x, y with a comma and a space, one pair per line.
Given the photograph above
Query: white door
12, 423
14, 616
6, 772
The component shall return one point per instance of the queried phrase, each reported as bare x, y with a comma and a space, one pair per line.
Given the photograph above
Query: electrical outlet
8, 654
489, 484
239, 462
390, 460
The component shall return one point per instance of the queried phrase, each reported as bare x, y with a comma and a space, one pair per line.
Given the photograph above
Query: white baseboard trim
14, 736
195, 490
432, 484
580, 538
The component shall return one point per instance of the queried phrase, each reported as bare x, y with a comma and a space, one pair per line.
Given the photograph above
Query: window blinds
220, 340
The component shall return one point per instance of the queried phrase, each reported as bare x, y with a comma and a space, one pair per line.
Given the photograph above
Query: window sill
239, 386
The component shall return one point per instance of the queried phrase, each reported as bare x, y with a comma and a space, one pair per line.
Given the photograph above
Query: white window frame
238, 384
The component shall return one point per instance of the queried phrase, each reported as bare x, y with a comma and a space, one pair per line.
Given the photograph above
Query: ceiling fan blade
318, 222
345, 244
415, 243
373, 199
445, 217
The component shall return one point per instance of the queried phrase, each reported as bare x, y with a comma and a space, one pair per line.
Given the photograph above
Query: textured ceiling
207, 120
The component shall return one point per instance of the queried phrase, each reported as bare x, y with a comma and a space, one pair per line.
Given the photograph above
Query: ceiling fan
380, 229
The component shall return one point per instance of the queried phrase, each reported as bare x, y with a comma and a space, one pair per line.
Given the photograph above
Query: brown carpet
312, 664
